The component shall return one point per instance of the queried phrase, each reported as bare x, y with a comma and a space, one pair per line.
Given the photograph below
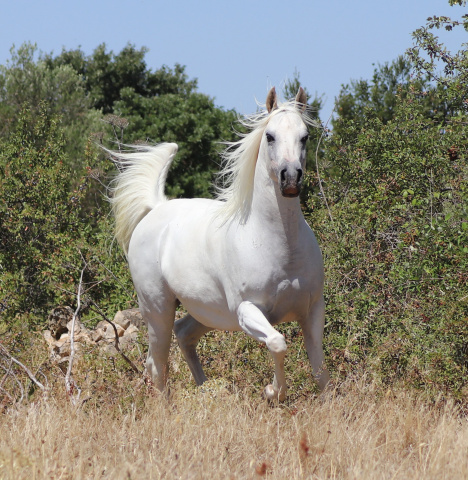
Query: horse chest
285, 300
278, 291
277, 275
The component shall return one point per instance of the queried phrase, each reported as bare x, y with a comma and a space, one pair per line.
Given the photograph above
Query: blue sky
236, 49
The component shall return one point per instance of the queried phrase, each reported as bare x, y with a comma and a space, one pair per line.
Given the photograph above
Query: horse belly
192, 264
201, 295
212, 315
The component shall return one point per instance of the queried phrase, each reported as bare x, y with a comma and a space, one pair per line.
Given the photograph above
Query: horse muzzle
290, 180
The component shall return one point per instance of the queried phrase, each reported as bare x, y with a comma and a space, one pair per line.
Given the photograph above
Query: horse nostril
299, 174
283, 175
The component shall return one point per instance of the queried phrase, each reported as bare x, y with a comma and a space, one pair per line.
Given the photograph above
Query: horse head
285, 139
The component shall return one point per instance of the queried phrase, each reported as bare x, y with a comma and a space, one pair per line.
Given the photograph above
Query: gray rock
132, 315
58, 320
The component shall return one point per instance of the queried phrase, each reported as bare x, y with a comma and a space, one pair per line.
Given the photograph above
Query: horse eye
304, 139
270, 138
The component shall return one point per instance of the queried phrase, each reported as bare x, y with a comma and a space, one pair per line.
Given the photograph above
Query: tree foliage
391, 83
107, 75
380, 94
449, 71
386, 195
161, 105
28, 81
38, 215
191, 121
46, 235
394, 229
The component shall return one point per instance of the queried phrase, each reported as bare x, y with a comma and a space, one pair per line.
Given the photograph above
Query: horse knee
276, 344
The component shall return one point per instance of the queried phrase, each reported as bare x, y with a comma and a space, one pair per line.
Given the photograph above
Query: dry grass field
355, 431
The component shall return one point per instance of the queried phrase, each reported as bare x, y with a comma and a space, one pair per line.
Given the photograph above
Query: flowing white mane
236, 178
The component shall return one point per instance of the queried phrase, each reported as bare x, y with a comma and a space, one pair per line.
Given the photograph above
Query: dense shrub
38, 215
388, 203
395, 239
45, 240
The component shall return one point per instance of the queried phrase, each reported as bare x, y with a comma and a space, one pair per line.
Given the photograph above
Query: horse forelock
236, 179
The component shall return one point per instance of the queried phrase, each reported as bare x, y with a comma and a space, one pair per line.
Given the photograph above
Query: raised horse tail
139, 186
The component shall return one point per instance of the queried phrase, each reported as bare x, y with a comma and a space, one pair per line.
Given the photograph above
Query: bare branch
117, 122
10, 374
12, 400
114, 276
2, 382
26, 369
70, 384
322, 191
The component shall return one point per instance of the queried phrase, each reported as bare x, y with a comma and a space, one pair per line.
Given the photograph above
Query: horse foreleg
188, 332
254, 323
312, 329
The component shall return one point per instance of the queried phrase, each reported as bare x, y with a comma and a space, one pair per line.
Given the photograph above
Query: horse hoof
273, 395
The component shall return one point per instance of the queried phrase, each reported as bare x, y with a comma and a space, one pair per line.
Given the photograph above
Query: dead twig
26, 369
10, 374
113, 275
322, 191
117, 122
5, 377
70, 384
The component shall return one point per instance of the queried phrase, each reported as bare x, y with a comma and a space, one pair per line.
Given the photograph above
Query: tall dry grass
356, 432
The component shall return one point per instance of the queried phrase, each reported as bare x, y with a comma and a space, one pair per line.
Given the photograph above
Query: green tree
106, 75
38, 216
27, 81
147, 106
46, 237
379, 95
431, 59
161, 105
395, 237
394, 230
193, 122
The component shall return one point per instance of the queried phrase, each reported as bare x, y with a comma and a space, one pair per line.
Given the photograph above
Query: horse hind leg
160, 323
188, 332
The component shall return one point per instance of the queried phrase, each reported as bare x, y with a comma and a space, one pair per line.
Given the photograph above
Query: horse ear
301, 99
271, 102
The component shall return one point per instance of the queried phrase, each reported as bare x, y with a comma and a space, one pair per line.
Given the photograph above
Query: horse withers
245, 261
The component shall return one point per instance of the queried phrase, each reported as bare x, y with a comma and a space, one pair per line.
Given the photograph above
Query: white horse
246, 261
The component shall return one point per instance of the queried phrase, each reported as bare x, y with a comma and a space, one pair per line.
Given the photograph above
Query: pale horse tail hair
139, 186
